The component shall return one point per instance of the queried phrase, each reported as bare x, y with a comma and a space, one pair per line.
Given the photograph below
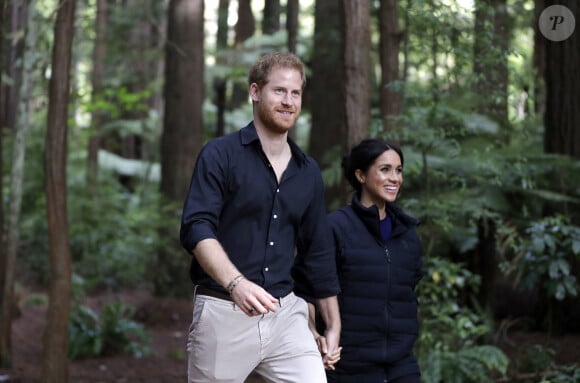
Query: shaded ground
167, 321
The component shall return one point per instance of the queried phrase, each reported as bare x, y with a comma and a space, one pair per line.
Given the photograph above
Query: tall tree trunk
292, 11
245, 28
357, 42
271, 17
490, 69
390, 104
16, 181
18, 15
5, 331
55, 365
328, 132
183, 123
220, 84
97, 94
539, 61
223, 28
562, 77
490, 72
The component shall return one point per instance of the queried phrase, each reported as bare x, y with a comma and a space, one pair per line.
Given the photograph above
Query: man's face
279, 102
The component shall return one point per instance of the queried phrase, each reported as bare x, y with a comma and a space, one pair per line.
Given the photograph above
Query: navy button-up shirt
275, 233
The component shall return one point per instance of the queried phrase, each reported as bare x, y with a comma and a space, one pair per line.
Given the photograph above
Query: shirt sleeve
314, 272
205, 198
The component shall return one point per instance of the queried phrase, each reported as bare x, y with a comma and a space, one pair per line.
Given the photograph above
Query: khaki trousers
226, 346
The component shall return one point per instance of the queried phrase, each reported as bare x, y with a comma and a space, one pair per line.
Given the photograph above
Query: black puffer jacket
378, 304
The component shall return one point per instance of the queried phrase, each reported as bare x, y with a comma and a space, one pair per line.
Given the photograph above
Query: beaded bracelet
232, 285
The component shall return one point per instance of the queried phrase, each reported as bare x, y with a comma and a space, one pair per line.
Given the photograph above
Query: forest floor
167, 320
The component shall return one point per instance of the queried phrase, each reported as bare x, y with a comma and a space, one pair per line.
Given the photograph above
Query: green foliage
538, 360
564, 374
447, 347
114, 231
544, 255
111, 332
468, 365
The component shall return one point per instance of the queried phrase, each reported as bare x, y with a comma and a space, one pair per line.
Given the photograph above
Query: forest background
106, 103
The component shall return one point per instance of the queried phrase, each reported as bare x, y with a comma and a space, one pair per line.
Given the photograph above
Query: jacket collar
371, 218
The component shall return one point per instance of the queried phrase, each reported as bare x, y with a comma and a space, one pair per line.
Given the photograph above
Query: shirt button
266, 269
275, 216
271, 243
277, 190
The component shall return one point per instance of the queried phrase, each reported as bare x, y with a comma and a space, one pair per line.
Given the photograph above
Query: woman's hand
329, 359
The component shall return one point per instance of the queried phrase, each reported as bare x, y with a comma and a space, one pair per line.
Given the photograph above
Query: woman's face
381, 182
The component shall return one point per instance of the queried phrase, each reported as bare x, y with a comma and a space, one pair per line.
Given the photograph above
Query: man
255, 221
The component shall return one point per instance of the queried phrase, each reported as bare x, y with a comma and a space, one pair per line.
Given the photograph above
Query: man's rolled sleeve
204, 200
315, 267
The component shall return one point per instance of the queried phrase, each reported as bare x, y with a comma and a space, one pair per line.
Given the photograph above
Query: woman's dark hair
362, 157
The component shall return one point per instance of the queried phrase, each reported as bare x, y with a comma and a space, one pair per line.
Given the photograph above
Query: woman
379, 264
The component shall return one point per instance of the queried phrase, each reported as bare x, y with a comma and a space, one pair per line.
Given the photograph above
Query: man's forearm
215, 262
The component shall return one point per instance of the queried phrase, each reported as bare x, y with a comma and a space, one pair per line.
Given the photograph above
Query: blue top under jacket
378, 304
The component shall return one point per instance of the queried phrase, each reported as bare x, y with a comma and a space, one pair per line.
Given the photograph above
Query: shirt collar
248, 135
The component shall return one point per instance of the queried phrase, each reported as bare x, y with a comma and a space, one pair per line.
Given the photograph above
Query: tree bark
539, 61
390, 39
490, 69
490, 72
5, 331
223, 28
328, 132
562, 78
358, 69
220, 84
97, 94
245, 28
271, 17
18, 15
55, 364
183, 123
16, 181
292, 11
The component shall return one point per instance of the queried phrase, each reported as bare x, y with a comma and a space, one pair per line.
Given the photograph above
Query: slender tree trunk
490, 72
18, 15
16, 181
181, 139
539, 61
223, 28
358, 69
490, 59
97, 94
271, 17
292, 11
390, 103
5, 331
220, 84
328, 132
245, 28
55, 364
562, 77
